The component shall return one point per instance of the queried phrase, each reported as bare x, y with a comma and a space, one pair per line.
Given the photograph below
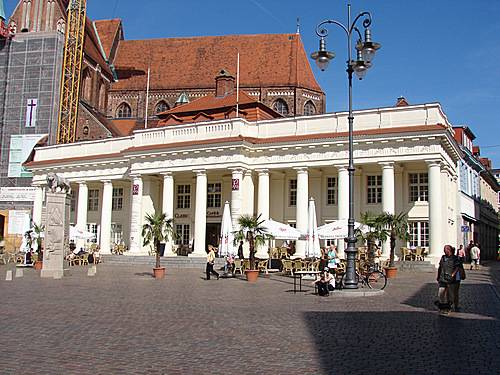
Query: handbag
447, 277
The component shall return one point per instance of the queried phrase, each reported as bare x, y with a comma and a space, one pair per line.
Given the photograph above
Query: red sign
135, 189
235, 184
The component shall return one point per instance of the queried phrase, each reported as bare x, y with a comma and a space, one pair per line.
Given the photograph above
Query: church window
86, 85
123, 111
309, 108
162, 106
280, 106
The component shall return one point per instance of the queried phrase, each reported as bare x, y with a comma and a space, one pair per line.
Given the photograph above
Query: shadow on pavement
402, 343
474, 299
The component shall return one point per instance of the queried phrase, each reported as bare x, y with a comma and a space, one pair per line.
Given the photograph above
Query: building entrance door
213, 233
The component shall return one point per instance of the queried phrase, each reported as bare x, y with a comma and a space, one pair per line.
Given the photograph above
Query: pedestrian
448, 268
325, 283
324, 259
332, 257
455, 285
240, 251
475, 254
461, 254
210, 263
467, 250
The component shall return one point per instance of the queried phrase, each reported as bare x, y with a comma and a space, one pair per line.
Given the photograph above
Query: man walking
475, 254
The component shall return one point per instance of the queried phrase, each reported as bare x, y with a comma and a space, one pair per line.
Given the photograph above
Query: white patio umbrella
281, 231
226, 246
312, 245
338, 229
78, 234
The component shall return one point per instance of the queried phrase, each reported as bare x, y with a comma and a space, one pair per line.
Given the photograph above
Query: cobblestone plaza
122, 321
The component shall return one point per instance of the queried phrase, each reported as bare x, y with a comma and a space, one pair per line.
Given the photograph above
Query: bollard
19, 272
8, 276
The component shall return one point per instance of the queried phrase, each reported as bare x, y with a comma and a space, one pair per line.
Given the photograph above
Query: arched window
86, 84
102, 97
162, 106
280, 106
309, 108
123, 111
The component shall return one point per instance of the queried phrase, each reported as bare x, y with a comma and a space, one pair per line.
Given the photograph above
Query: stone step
173, 262
416, 266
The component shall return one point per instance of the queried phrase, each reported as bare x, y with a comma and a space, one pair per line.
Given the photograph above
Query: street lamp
365, 52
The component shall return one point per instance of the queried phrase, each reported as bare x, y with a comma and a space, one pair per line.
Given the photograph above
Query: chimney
224, 83
402, 102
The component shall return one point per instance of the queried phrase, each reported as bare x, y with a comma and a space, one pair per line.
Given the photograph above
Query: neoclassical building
405, 159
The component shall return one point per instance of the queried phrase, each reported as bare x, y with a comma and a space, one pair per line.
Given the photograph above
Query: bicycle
370, 277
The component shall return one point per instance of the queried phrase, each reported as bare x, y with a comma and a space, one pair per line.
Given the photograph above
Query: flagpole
238, 85
147, 101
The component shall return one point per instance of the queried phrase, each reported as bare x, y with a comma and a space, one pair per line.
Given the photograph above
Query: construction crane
72, 65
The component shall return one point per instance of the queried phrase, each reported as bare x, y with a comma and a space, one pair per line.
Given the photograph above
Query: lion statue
57, 184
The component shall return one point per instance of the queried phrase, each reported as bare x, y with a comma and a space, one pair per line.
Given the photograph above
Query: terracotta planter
38, 265
390, 272
159, 273
252, 275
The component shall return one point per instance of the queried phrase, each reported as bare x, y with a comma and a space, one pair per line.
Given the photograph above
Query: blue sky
445, 51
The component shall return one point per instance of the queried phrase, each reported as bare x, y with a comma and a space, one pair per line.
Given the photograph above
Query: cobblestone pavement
122, 321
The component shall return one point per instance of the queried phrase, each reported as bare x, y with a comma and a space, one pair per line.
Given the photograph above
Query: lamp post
365, 52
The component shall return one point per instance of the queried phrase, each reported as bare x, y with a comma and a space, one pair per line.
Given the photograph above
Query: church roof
107, 30
266, 60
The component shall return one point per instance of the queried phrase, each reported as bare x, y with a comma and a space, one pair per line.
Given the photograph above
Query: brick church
274, 71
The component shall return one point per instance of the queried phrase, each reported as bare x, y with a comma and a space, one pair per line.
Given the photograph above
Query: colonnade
242, 201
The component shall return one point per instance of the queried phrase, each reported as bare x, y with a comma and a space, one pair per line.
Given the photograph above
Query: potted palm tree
397, 227
251, 230
156, 230
376, 232
38, 232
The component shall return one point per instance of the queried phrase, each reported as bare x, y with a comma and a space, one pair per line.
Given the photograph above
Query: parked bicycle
368, 274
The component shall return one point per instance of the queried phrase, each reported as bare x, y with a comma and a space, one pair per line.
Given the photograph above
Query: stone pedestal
56, 234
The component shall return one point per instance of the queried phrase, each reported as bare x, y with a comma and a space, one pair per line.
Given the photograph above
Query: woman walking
210, 263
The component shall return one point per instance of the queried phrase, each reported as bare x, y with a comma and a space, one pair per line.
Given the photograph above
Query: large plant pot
390, 272
38, 265
159, 273
252, 275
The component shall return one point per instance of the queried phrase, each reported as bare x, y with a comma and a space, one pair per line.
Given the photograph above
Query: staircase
168, 262
416, 266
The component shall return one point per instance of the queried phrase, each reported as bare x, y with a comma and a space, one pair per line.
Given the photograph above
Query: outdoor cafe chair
283, 253
298, 265
238, 266
262, 267
75, 261
246, 264
287, 266
314, 265
406, 254
419, 253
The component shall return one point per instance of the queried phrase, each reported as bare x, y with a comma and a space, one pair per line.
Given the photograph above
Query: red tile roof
107, 30
266, 60
92, 49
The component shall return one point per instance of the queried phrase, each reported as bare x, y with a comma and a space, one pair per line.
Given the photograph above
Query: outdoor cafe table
300, 274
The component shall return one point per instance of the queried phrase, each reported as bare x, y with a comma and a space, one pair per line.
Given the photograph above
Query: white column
106, 211
302, 208
168, 206
248, 194
263, 194
236, 179
81, 219
435, 217
136, 217
343, 204
387, 198
200, 219
37, 205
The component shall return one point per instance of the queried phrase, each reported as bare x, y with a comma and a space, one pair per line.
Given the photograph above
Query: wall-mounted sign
235, 184
135, 189
180, 216
17, 194
19, 222
465, 228
213, 213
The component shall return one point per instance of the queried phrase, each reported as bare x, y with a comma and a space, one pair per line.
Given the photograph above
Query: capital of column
81, 183
200, 172
166, 174
387, 165
341, 168
301, 170
433, 163
262, 172
106, 182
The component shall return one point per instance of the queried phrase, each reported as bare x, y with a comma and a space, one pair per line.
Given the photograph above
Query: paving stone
122, 321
